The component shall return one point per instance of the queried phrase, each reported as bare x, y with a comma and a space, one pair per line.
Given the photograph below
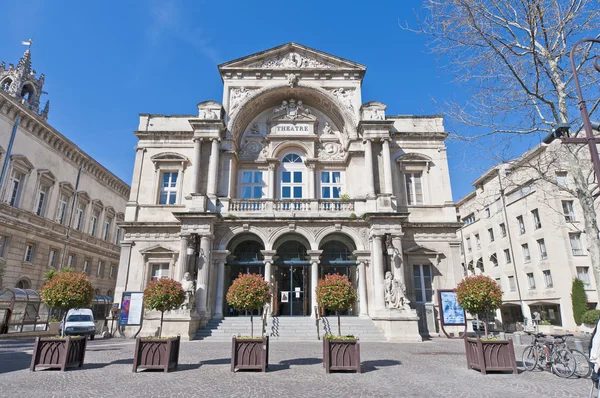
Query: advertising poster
452, 313
285, 297
132, 306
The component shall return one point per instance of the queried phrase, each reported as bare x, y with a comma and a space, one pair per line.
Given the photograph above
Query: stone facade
292, 177
50, 218
529, 239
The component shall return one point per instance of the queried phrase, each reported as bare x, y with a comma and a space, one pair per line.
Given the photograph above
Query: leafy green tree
336, 293
479, 295
578, 300
249, 292
163, 295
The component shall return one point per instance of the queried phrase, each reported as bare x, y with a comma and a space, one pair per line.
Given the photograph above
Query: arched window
23, 284
27, 92
292, 158
292, 177
5, 85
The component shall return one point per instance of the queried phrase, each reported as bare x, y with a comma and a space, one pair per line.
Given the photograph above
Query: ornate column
269, 258
183, 257
204, 258
271, 181
213, 168
196, 165
378, 280
124, 266
315, 259
369, 168
220, 257
387, 166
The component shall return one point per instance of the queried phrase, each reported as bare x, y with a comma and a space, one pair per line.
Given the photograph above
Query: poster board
132, 309
451, 313
285, 297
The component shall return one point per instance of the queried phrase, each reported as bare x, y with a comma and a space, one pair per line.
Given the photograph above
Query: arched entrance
291, 287
245, 258
337, 258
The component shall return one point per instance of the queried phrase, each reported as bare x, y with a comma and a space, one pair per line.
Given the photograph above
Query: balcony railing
291, 205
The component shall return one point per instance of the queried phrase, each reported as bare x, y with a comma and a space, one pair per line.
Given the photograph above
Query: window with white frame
531, 281
3, 245
252, 185
477, 242
15, 187
71, 261
117, 236
526, 253
583, 274
29, 252
542, 249
414, 187
63, 206
576, 245
111, 274
94, 222
548, 278
292, 177
423, 278
41, 199
568, 210
159, 271
80, 217
537, 222
331, 184
491, 234
168, 188
470, 219
86, 266
100, 272
507, 259
469, 248
561, 179
107, 227
511, 283
499, 282
521, 224
494, 259
53, 258
486, 211
503, 230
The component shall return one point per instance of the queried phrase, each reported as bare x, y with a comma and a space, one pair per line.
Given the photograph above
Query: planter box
58, 353
153, 353
341, 355
250, 354
492, 355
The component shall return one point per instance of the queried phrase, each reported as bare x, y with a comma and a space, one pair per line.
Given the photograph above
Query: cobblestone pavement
429, 369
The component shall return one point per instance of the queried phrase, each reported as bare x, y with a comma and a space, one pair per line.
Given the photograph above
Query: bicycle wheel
530, 357
583, 367
563, 363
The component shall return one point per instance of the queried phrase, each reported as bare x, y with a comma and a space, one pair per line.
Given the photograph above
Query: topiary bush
164, 294
336, 293
479, 295
247, 293
67, 289
578, 300
590, 317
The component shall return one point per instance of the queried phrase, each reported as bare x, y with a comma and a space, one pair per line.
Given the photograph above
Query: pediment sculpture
293, 60
292, 110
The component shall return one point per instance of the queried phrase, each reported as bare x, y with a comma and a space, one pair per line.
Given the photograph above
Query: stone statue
327, 130
395, 293
188, 287
292, 80
255, 130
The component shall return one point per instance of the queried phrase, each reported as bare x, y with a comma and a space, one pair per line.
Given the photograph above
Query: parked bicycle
583, 367
544, 352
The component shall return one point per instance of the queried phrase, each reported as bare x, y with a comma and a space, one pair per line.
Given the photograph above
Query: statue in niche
292, 80
209, 114
395, 293
255, 130
327, 130
188, 287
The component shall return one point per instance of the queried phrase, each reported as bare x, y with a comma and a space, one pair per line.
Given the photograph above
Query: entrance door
292, 290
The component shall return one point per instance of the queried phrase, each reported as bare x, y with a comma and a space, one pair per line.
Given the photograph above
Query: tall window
94, 224
71, 261
168, 188
526, 254
86, 266
40, 205
521, 225
80, 217
117, 236
531, 281
576, 245
477, 241
52, 258
469, 248
537, 223
15, 188
561, 179
584, 275
63, 205
503, 230
29, 252
568, 211
107, 226
548, 278
511, 283
292, 177
100, 272
3, 245
252, 185
507, 259
422, 279
111, 275
542, 249
494, 259
331, 184
486, 211
499, 282
491, 234
414, 188
159, 271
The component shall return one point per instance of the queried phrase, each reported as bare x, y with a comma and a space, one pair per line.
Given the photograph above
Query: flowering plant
336, 293
479, 295
163, 295
249, 292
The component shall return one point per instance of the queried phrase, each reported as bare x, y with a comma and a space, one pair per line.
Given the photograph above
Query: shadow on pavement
370, 366
285, 364
14, 362
221, 361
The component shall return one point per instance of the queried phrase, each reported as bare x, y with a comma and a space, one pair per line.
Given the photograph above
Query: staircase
289, 328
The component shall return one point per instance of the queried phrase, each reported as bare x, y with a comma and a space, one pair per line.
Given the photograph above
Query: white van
80, 322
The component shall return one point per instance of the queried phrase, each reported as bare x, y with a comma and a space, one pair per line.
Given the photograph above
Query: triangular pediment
292, 56
418, 249
157, 249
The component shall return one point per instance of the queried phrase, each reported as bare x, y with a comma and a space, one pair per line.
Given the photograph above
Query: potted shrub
249, 292
157, 352
336, 293
480, 295
590, 319
63, 290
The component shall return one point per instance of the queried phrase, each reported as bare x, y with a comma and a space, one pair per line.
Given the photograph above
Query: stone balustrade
290, 205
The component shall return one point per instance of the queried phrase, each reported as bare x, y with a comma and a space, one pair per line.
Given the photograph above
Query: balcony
270, 207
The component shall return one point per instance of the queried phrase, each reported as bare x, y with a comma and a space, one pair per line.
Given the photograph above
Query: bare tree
513, 56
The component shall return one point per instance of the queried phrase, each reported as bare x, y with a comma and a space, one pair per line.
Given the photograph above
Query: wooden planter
341, 355
153, 353
58, 353
491, 355
250, 354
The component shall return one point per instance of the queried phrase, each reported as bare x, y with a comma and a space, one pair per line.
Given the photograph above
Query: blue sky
106, 62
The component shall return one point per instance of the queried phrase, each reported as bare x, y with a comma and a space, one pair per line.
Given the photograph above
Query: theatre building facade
293, 177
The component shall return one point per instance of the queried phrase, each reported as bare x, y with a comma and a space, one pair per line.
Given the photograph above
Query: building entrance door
292, 289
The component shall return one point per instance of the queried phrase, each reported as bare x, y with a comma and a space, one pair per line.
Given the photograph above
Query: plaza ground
429, 369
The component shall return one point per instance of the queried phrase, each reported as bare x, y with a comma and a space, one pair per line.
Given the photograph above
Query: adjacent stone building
58, 206
292, 176
524, 229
